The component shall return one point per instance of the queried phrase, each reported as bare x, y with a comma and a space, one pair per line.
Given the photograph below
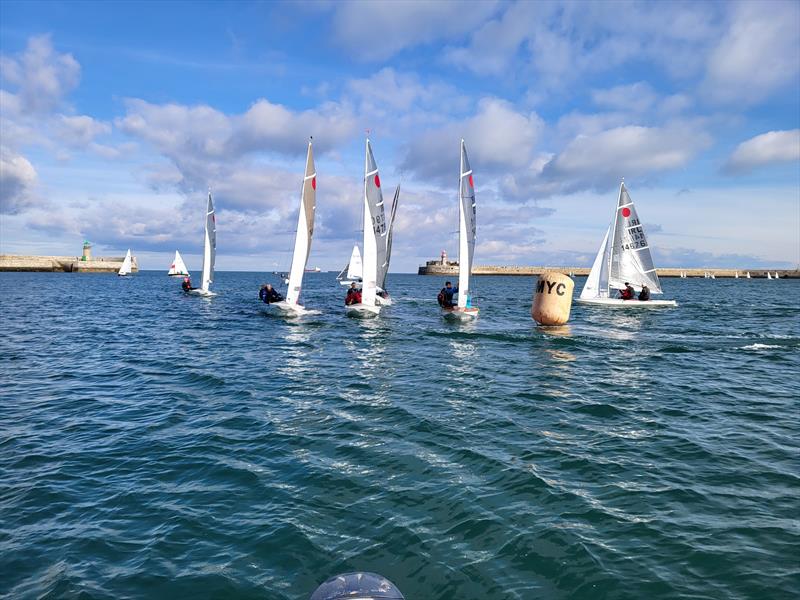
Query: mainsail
390, 229
125, 269
624, 256
210, 246
375, 230
466, 232
178, 267
305, 230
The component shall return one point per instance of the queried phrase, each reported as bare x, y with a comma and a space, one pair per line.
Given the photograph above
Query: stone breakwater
437, 268
64, 264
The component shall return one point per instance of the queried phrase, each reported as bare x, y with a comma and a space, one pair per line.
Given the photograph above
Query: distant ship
313, 270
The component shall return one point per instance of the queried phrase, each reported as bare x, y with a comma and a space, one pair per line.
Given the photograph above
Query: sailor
269, 294
445, 297
353, 295
644, 295
187, 284
627, 293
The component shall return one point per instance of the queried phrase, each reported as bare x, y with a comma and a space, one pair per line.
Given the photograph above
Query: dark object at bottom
357, 586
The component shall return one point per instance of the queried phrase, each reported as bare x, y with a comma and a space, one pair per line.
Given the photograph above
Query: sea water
159, 445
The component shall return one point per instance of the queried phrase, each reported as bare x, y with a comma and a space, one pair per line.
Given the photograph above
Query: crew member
445, 297
269, 294
644, 295
627, 293
353, 295
187, 284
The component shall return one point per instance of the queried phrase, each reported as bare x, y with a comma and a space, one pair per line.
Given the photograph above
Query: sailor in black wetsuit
644, 295
627, 293
269, 294
187, 284
445, 297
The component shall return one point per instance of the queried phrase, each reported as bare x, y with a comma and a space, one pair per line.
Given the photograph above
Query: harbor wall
64, 264
437, 268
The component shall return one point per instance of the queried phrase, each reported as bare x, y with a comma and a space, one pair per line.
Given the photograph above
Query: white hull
381, 301
288, 309
460, 314
199, 292
347, 282
617, 303
362, 311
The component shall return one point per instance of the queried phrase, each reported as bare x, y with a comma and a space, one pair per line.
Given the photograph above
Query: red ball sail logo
314, 183
471, 183
626, 212
377, 180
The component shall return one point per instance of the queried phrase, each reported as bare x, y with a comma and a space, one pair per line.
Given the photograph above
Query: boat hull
287, 309
618, 303
381, 301
200, 292
460, 314
362, 311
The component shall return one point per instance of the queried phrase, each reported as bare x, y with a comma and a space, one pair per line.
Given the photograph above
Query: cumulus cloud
757, 55
765, 149
80, 131
598, 161
372, 31
17, 179
42, 76
503, 139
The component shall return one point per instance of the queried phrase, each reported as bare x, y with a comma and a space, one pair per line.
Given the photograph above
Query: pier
86, 263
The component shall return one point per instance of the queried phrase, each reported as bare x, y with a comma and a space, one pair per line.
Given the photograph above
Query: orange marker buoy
552, 299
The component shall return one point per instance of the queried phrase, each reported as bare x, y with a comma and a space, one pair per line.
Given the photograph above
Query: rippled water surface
154, 445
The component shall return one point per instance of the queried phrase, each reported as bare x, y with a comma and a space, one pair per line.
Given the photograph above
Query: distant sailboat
777, 276
736, 276
713, 276
302, 241
209, 250
768, 275
178, 267
375, 232
467, 226
127, 264
353, 271
624, 256
748, 275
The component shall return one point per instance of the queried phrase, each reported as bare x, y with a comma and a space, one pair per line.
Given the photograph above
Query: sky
116, 117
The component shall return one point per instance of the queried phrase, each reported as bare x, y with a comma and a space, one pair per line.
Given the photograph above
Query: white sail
748, 275
374, 229
210, 245
768, 275
305, 229
390, 227
596, 285
777, 276
466, 229
736, 275
178, 267
125, 269
355, 268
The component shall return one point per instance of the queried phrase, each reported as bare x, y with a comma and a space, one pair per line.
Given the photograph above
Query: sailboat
736, 275
383, 295
125, 269
302, 241
375, 232
209, 250
768, 275
748, 275
624, 256
352, 272
466, 242
712, 276
777, 276
178, 267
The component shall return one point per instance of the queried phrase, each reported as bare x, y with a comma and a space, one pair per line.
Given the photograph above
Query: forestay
467, 227
374, 230
305, 230
210, 246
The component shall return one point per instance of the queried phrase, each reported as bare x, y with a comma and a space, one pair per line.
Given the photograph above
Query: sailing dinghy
375, 232
624, 256
209, 250
466, 243
178, 267
302, 242
125, 269
352, 272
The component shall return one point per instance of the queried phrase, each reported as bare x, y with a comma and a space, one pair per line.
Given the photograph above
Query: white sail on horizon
209, 245
178, 267
127, 264
305, 229
466, 230
355, 267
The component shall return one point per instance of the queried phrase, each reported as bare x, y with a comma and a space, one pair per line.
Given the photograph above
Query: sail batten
305, 230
